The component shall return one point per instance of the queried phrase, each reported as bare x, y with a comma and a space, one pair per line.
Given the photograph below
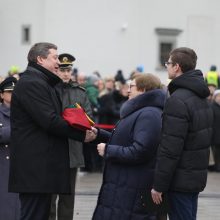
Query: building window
164, 50
167, 41
26, 32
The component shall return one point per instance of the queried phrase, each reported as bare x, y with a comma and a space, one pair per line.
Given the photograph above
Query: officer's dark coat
39, 145
9, 202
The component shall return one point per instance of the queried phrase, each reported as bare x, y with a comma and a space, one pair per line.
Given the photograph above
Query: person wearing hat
212, 77
9, 202
71, 92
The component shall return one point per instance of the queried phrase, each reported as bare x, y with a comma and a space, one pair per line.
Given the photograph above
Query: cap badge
65, 60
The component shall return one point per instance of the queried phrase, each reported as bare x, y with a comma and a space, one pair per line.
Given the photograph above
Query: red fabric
104, 126
76, 118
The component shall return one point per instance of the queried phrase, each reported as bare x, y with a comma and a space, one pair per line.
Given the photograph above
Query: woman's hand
101, 149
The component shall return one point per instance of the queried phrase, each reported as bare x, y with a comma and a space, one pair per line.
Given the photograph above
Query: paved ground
88, 185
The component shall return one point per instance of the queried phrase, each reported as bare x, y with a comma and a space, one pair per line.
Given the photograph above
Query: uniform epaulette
82, 88
76, 85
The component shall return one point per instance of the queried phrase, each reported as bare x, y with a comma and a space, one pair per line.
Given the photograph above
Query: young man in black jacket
183, 153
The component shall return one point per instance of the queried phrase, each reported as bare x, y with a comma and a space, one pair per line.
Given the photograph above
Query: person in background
110, 104
212, 89
81, 79
212, 77
92, 92
75, 73
183, 153
130, 152
14, 71
119, 77
70, 93
39, 153
9, 202
216, 130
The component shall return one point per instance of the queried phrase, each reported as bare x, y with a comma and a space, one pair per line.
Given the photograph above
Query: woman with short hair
130, 152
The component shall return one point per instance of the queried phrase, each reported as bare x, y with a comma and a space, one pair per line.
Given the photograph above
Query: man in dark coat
39, 164
71, 92
183, 154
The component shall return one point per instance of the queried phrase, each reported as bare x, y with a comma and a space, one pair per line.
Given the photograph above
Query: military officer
70, 92
9, 202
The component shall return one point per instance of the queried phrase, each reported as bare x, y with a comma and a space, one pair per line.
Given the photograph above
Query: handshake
91, 134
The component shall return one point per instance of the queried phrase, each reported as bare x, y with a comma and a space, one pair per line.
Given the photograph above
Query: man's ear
40, 60
177, 68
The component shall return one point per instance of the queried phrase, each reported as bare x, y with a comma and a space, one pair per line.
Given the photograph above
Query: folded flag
77, 118
90, 120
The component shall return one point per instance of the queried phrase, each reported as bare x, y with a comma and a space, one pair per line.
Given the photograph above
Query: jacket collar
51, 77
153, 98
5, 110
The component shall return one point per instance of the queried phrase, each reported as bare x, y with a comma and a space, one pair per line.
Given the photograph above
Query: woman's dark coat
9, 202
130, 158
183, 153
39, 139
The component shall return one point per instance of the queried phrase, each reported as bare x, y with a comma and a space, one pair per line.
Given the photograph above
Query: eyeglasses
167, 63
131, 85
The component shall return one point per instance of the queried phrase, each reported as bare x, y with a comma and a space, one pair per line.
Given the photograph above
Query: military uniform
9, 202
70, 93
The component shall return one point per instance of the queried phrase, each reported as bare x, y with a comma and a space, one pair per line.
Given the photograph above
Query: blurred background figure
75, 74
93, 162
216, 131
119, 77
96, 73
81, 79
140, 68
9, 202
14, 71
91, 86
212, 89
110, 104
212, 77
109, 84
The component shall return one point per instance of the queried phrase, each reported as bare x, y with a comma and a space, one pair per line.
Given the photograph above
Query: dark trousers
64, 206
183, 206
35, 206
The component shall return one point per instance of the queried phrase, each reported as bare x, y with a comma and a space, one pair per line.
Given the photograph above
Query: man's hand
101, 149
156, 196
95, 130
90, 135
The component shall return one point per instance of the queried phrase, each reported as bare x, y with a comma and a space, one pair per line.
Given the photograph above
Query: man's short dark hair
185, 57
40, 49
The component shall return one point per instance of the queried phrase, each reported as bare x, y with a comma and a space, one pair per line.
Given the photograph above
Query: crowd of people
145, 138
